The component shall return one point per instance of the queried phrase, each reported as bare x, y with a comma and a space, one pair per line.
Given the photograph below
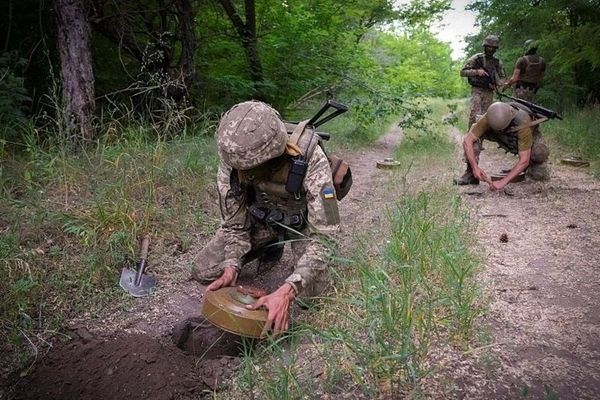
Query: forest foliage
172, 60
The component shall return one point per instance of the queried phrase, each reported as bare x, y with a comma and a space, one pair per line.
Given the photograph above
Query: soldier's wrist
233, 268
288, 290
295, 281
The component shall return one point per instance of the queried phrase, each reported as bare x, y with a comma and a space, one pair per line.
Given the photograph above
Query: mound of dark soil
130, 367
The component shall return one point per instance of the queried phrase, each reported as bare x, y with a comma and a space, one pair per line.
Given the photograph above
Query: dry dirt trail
137, 353
544, 286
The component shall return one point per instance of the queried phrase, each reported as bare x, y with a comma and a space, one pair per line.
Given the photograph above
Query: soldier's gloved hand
227, 279
278, 305
482, 72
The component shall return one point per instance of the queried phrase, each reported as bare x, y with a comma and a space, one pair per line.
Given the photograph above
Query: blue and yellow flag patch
328, 193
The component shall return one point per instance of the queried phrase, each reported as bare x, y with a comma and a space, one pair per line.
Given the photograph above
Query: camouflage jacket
316, 203
492, 66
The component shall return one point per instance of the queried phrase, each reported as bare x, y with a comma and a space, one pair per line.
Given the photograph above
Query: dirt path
137, 353
544, 285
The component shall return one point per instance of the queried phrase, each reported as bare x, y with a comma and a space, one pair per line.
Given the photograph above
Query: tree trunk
76, 69
247, 34
188, 41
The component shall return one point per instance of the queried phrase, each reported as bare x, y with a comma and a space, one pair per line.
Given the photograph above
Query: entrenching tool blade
136, 283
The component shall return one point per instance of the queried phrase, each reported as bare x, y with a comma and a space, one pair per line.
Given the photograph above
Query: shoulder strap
298, 130
305, 139
528, 124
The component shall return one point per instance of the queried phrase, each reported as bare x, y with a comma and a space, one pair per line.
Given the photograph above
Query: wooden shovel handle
145, 245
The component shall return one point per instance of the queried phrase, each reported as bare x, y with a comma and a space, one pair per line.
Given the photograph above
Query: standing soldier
259, 212
529, 73
484, 73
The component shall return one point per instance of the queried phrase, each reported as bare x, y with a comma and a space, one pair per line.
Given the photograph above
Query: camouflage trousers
310, 257
524, 93
481, 99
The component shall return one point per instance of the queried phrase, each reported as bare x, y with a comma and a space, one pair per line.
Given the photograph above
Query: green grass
375, 335
70, 221
577, 135
431, 140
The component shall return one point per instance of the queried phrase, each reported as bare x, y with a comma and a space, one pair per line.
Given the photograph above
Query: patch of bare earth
159, 347
542, 268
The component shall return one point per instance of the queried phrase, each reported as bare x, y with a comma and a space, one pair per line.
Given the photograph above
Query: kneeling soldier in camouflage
258, 212
514, 128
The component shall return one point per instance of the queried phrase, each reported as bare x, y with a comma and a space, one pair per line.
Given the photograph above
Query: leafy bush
13, 97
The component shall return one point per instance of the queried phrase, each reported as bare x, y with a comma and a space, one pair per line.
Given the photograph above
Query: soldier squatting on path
258, 212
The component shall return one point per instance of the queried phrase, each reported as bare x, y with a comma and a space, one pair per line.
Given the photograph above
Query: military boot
467, 178
538, 172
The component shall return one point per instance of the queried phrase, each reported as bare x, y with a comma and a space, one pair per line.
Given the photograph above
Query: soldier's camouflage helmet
491, 41
249, 134
499, 115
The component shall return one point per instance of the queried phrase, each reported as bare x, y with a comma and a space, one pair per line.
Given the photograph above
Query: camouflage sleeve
234, 222
323, 221
470, 68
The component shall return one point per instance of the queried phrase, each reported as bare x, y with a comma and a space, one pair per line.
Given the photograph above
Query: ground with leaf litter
540, 335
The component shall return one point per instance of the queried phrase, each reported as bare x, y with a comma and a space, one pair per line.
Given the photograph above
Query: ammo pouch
276, 218
342, 176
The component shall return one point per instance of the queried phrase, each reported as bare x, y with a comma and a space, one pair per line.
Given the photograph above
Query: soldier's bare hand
481, 175
482, 72
278, 305
227, 279
496, 186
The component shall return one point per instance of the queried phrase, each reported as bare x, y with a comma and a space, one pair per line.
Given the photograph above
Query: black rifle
535, 108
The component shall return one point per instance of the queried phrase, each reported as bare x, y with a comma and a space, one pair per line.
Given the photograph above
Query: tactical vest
262, 190
490, 65
533, 71
274, 192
